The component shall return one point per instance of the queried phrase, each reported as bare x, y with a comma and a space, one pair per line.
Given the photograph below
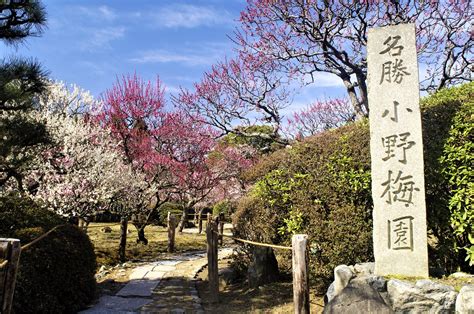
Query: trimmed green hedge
322, 187
56, 275
174, 208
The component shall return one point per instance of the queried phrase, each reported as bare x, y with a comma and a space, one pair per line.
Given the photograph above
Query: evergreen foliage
20, 81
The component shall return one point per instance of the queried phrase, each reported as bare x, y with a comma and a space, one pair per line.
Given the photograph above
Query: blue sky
90, 42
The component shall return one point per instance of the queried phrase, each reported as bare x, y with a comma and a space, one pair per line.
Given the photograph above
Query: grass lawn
106, 244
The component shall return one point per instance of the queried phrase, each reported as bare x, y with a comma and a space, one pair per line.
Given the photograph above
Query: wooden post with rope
300, 273
212, 258
9, 251
171, 220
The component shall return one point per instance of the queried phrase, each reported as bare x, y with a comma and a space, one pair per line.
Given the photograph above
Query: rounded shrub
322, 187
56, 274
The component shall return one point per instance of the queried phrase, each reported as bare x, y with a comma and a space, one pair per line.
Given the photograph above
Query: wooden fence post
123, 238
300, 273
212, 257
171, 232
11, 249
221, 228
200, 222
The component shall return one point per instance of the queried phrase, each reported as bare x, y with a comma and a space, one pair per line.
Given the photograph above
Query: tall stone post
398, 188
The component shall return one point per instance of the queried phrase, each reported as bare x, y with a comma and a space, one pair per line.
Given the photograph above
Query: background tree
318, 117
20, 81
307, 37
245, 91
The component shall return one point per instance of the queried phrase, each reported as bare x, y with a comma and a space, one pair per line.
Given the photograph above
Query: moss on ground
106, 244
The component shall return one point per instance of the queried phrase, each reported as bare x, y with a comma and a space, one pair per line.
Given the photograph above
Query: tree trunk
123, 238
140, 225
351, 91
141, 234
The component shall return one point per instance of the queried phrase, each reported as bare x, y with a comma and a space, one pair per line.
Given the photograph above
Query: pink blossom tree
172, 148
308, 37
319, 116
133, 110
201, 165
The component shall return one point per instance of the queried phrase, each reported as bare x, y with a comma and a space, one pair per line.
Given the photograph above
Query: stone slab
154, 275
169, 263
140, 272
163, 268
398, 188
138, 288
113, 304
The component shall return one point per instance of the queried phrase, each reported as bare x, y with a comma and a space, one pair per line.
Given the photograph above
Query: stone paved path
159, 287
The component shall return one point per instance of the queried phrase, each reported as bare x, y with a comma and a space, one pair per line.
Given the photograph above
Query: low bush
322, 187
174, 208
56, 275
225, 207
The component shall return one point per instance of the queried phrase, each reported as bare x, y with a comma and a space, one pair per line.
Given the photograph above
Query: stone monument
398, 189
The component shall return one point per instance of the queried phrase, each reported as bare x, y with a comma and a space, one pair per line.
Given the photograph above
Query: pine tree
20, 81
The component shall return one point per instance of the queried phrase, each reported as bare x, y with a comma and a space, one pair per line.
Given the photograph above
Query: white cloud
170, 89
163, 56
190, 16
99, 14
324, 79
107, 13
208, 54
101, 38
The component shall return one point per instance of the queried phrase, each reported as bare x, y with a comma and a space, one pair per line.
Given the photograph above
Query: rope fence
299, 253
3, 264
103, 226
275, 246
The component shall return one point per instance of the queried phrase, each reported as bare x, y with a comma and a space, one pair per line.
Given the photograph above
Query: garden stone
465, 300
357, 297
364, 269
424, 296
379, 283
264, 267
106, 230
227, 276
329, 294
342, 275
